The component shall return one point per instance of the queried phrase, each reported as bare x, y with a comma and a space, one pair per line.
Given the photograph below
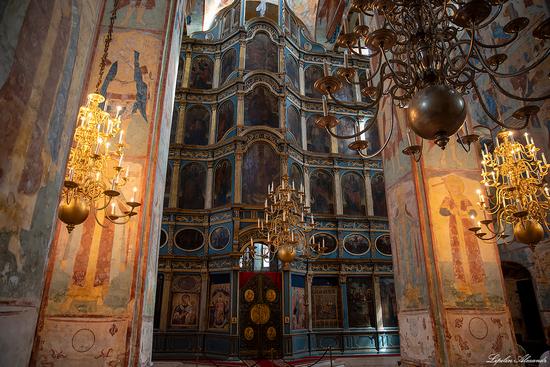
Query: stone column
449, 285
174, 187
338, 192
209, 182
105, 301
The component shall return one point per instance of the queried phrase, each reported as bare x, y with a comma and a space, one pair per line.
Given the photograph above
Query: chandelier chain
107, 43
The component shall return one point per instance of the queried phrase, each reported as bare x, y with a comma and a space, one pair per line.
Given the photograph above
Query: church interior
275, 183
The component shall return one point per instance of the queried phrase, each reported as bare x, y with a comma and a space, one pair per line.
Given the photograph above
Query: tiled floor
367, 361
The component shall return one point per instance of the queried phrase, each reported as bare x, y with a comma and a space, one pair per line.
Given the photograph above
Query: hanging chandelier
516, 194
95, 172
286, 224
426, 55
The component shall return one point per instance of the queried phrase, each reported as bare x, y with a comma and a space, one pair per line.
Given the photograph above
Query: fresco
292, 71
311, 74
228, 65
191, 192
189, 239
346, 93
167, 184
383, 245
318, 140
389, 304
346, 127
329, 15
219, 238
223, 176
296, 176
262, 54
197, 125
298, 308
327, 240
372, 137
294, 123
261, 167
202, 73
219, 304
186, 292
353, 194
379, 195
356, 244
226, 118
360, 295
261, 107
325, 303
322, 192
305, 10
211, 9
469, 270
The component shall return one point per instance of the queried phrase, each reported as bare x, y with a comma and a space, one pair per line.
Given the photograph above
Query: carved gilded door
260, 325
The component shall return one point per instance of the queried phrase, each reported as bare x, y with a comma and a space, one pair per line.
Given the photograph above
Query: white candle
526, 138
134, 191
113, 208
97, 176
99, 141
71, 174
312, 219
127, 171
265, 204
107, 145
120, 136
302, 216
543, 158
118, 108
105, 106
409, 137
120, 160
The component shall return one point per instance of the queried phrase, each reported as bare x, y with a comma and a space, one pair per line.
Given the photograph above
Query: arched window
222, 183
228, 64
318, 140
312, 74
167, 184
202, 72
294, 123
262, 54
322, 192
226, 118
197, 126
192, 186
261, 107
353, 194
261, 167
292, 71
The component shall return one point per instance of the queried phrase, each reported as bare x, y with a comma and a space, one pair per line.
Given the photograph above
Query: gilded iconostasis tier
244, 117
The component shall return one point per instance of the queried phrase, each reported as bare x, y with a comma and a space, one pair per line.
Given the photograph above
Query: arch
318, 140
378, 191
294, 123
262, 53
292, 71
226, 118
197, 125
202, 73
353, 194
192, 186
311, 74
261, 107
322, 192
167, 185
223, 177
228, 64
261, 167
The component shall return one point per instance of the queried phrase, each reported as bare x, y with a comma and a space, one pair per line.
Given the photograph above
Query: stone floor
363, 361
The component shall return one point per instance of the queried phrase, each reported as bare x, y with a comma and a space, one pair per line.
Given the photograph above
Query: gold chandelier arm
357, 106
97, 220
456, 72
371, 122
487, 69
365, 156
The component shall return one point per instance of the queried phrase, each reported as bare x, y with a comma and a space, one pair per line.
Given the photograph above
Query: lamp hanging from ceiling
426, 55
95, 172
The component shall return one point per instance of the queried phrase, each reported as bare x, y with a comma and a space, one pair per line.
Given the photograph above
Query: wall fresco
262, 54
261, 107
294, 124
312, 74
197, 126
228, 65
322, 192
318, 140
353, 194
292, 71
191, 194
226, 118
222, 183
261, 167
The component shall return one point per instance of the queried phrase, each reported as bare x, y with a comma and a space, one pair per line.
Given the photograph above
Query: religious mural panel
223, 176
356, 244
329, 15
189, 239
186, 291
378, 190
262, 54
226, 118
261, 167
261, 107
219, 238
228, 64
361, 311
325, 302
294, 124
219, 302
372, 137
292, 71
346, 127
346, 93
192, 186
311, 74
197, 126
202, 73
383, 245
353, 194
389, 304
318, 140
322, 192
299, 310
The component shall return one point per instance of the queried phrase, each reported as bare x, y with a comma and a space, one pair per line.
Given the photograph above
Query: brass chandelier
516, 194
286, 224
95, 172
425, 56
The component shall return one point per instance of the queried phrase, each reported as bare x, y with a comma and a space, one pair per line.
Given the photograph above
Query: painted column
304, 131
368, 192
165, 306
213, 123
338, 192
98, 301
238, 174
302, 79
449, 285
187, 68
378, 303
45, 58
217, 64
203, 321
209, 184
342, 278
309, 307
307, 186
174, 187
181, 123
